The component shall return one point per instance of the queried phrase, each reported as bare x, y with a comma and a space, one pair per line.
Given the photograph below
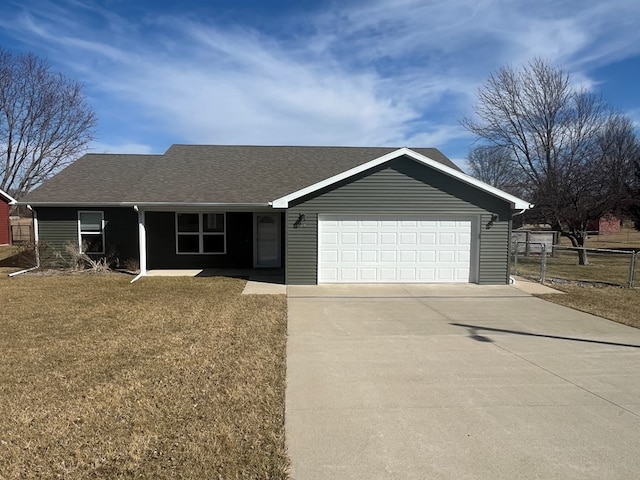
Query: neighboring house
323, 214
5, 225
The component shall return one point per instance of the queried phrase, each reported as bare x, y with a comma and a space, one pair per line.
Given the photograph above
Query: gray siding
59, 226
402, 186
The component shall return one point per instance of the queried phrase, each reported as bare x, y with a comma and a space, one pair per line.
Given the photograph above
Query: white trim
201, 233
12, 201
474, 253
36, 234
80, 233
277, 216
517, 203
142, 242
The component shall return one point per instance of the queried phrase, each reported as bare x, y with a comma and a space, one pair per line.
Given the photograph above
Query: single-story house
322, 214
5, 224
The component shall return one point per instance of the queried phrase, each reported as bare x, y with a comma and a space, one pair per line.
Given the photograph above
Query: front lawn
163, 378
615, 303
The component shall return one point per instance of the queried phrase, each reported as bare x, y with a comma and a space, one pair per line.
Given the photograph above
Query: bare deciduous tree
573, 152
45, 122
494, 165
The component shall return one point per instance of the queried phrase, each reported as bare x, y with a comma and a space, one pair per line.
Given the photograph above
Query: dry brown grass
165, 378
12, 259
603, 267
615, 303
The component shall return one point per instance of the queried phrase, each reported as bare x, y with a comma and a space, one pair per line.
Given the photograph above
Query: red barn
5, 227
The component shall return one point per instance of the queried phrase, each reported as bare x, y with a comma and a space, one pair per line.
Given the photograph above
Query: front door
266, 227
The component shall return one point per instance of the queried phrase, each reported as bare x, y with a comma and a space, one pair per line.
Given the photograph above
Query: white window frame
201, 233
81, 233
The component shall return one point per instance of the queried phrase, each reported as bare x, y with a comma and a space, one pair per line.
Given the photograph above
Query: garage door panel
388, 274
349, 256
446, 274
408, 238
369, 256
447, 239
427, 274
446, 256
348, 238
408, 274
348, 274
383, 249
329, 274
408, 256
329, 238
329, 256
369, 238
368, 275
388, 256
388, 238
427, 238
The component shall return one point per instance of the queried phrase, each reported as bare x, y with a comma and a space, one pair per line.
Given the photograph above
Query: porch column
142, 238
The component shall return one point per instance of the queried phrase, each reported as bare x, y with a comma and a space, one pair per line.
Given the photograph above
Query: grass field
165, 378
608, 301
615, 303
604, 267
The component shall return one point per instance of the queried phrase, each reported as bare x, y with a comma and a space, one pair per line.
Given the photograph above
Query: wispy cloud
384, 72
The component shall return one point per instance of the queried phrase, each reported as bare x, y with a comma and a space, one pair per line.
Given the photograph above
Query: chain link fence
558, 262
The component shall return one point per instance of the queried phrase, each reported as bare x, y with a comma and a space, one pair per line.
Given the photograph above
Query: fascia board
12, 201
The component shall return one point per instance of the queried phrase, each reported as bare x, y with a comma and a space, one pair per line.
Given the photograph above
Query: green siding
402, 186
59, 226
494, 252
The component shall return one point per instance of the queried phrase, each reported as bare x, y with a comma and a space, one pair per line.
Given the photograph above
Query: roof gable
516, 202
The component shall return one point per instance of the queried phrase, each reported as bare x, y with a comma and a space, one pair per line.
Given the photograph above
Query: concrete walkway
491, 383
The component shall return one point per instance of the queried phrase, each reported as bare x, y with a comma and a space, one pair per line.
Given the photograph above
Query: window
91, 231
200, 233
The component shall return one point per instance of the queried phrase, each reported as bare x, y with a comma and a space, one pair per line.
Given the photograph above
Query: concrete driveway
462, 382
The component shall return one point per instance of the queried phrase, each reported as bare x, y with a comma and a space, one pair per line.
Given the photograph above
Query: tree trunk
578, 240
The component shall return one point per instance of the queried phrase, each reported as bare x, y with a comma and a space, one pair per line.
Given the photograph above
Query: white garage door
366, 249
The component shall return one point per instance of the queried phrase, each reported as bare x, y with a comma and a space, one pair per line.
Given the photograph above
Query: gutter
520, 212
148, 204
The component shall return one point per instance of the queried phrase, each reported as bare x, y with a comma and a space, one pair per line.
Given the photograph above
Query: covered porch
211, 242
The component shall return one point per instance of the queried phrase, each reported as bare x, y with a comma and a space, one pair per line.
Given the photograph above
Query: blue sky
383, 72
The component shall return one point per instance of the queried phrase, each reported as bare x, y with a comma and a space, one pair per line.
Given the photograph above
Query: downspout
36, 241
142, 243
512, 279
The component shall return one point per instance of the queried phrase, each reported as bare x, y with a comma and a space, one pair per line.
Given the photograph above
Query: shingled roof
205, 174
